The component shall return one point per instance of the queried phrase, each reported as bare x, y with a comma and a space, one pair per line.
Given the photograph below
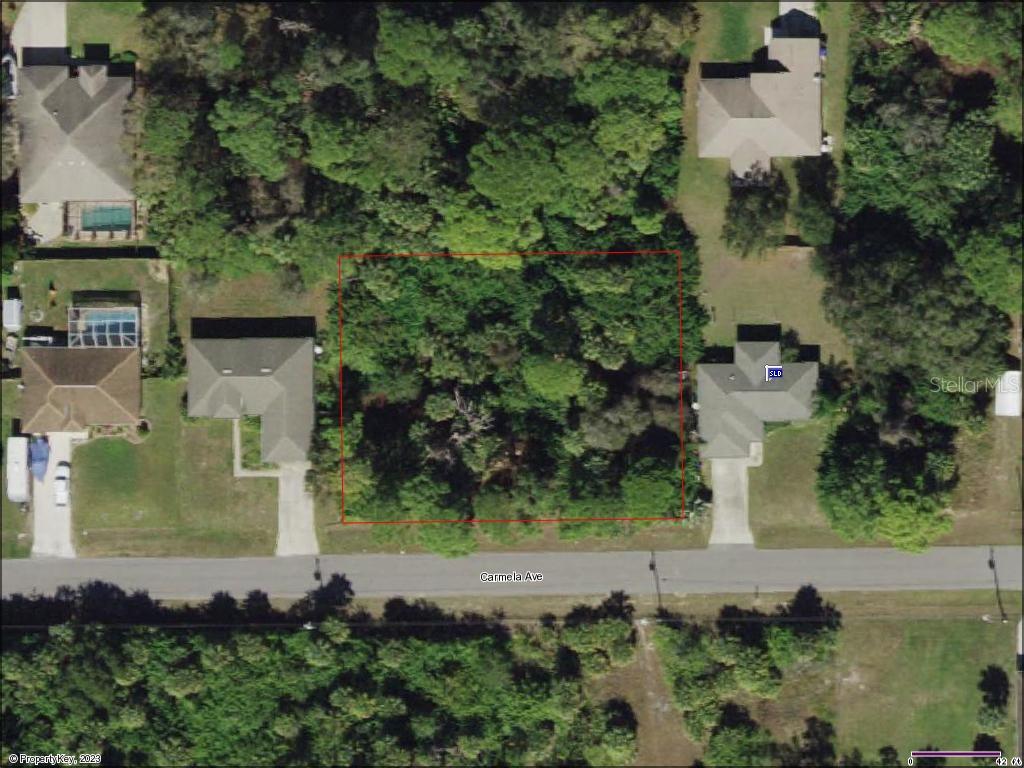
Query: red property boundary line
341, 377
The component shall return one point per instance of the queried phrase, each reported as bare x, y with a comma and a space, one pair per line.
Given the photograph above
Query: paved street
715, 570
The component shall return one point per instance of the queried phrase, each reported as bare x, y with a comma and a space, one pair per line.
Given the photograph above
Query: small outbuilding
1008, 395
13, 315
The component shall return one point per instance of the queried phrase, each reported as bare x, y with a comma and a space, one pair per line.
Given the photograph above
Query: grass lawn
147, 276
249, 430
174, 493
117, 24
259, 295
987, 502
739, 28
908, 683
783, 506
15, 522
778, 287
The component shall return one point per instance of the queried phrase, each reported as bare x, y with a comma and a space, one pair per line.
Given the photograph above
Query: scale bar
945, 753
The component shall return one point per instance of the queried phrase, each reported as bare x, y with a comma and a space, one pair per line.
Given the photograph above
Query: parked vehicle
62, 484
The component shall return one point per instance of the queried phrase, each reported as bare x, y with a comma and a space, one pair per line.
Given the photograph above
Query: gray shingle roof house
67, 390
735, 399
768, 109
270, 378
71, 129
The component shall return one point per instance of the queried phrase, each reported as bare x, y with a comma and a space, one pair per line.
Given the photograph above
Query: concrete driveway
296, 534
51, 527
730, 491
40, 25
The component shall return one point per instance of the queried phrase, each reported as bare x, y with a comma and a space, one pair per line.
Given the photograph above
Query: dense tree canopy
417, 686
926, 260
392, 128
281, 135
555, 378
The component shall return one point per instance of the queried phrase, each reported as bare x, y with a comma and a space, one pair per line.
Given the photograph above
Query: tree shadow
805, 614
615, 606
994, 686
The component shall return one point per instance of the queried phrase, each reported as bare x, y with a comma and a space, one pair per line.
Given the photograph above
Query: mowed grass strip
837, 24
15, 523
987, 501
258, 295
149, 277
172, 494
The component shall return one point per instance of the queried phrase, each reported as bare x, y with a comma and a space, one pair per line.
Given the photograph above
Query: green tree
755, 216
556, 380
249, 125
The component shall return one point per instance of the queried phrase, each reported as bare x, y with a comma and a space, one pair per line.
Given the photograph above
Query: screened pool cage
103, 326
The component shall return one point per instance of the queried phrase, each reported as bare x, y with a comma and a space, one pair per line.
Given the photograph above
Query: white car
62, 484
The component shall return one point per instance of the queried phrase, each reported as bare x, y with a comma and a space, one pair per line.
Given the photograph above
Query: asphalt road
708, 571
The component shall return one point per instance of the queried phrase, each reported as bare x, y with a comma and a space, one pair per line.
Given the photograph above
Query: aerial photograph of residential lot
614, 384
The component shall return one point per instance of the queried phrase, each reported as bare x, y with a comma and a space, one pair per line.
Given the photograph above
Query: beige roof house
270, 378
736, 399
71, 130
771, 108
67, 390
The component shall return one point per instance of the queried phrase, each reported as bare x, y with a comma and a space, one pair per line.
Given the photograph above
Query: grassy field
174, 493
118, 24
908, 683
16, 529
735, 289
987, 502
147, 276
259, 295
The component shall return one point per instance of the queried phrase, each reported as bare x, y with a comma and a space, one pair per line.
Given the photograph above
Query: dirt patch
661, 739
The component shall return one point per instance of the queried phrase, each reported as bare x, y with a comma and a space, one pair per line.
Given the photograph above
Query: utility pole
653, 567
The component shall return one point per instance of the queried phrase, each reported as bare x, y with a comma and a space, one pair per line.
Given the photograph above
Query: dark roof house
270, 378
736, 399
71, 118
68, 390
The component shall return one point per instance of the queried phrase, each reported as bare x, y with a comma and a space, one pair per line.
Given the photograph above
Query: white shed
1008, 395
17, 469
